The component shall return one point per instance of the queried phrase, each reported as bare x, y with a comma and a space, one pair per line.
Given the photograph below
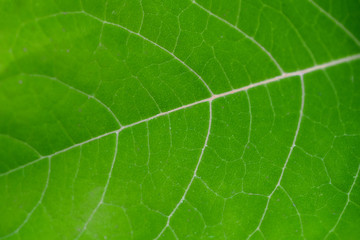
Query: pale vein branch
339, 24
287, 159
28, 216
122, 27
79, 91
194, 175
155, 44
346, 204
214, 97
243, 33
105, 189
22, 142
296, 209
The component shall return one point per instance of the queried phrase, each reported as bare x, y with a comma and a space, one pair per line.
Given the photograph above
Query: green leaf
179, 119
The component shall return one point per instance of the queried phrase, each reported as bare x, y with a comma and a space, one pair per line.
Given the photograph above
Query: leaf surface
176, 119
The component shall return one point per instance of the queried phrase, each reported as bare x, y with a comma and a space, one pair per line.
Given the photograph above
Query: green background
173, 119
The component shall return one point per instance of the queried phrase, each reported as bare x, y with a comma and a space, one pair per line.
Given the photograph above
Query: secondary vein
214, 97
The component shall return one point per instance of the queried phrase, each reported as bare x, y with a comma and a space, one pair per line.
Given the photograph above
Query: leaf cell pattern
175, 119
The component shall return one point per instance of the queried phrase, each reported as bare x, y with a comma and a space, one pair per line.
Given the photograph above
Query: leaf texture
179, 119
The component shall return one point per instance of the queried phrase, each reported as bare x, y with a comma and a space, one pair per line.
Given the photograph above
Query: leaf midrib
214, 97
283, 75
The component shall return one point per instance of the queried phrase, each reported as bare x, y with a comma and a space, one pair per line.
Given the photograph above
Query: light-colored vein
148, 147
173, 232
58, 152
79, 91
292, 74
346, 204
193, 177
300, 36
104, 191
222, 68
248, 138
340, 25
22, 142
75, 178
214, 97
119, 26
337, 99
296, 209
153, 43
28, 216
148, 93
287, 159
243, 33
